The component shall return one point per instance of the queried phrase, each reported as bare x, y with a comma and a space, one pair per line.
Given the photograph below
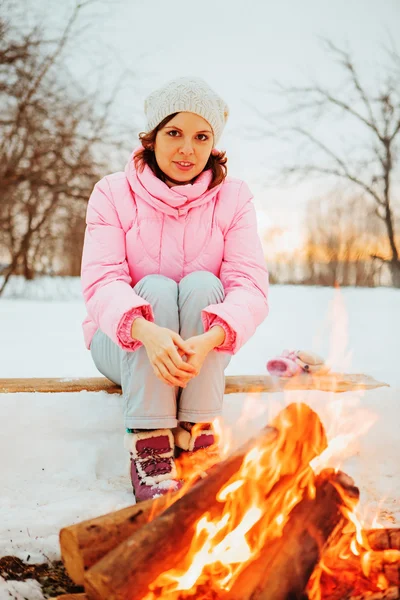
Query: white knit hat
187, 94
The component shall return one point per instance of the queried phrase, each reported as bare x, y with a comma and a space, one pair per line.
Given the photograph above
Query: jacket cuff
230, 336
124, 337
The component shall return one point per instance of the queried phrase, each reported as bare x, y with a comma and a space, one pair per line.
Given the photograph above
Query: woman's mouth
184, 165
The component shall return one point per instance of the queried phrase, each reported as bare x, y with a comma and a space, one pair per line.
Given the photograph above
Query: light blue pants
148, 402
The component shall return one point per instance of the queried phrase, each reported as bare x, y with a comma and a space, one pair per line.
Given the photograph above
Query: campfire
275, 520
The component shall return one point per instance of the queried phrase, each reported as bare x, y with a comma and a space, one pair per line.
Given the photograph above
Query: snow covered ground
62, 458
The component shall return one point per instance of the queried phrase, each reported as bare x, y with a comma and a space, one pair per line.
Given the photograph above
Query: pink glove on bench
294, 362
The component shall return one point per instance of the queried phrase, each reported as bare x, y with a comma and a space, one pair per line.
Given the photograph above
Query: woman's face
183, 147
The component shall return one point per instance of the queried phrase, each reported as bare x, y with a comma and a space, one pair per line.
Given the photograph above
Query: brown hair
216, 162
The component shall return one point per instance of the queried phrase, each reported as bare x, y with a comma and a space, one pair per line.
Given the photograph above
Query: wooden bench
331, 382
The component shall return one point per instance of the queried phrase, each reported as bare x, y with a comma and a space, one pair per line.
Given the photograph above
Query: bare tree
51, 137
372, 166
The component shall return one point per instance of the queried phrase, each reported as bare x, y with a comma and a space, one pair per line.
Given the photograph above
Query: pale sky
239, 48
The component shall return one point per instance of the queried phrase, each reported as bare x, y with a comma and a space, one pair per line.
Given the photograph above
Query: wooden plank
331, 382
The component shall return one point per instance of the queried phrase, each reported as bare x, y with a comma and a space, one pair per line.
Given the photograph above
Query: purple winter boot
153, 471
196, 446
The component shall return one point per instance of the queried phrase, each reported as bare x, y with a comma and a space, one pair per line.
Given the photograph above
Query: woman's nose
186, 147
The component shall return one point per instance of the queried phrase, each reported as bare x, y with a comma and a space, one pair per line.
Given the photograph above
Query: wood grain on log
85, 543
331, 382
127, 571
384, 539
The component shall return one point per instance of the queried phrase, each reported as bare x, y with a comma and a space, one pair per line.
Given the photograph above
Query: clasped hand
175, 361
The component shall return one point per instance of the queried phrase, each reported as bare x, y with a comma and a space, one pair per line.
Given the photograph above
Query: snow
20, 590
62, 455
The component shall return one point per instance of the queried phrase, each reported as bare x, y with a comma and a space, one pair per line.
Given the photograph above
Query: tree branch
348, 64
345, 172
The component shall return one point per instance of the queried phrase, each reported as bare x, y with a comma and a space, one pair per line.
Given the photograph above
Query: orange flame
249, 514
251, 508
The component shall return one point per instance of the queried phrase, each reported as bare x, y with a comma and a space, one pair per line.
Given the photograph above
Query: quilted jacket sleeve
106, 283
244, 276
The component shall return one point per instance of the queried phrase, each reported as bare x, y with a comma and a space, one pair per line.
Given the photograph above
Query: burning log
372, 565
386, 562
294, 438
284, 566
384, 539
85, 543
363, 569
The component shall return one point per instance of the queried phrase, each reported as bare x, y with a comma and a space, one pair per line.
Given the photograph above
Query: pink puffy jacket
137, 225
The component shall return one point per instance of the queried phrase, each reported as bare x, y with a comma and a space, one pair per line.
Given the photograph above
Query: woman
173, 278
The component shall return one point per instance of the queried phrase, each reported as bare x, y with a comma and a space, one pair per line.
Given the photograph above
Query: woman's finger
182, 344
179, 363
159, 375
167, 375
175, 371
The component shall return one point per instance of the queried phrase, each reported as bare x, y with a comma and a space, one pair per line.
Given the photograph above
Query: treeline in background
57, 139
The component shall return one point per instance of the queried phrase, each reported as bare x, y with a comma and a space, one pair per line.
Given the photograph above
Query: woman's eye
174, 133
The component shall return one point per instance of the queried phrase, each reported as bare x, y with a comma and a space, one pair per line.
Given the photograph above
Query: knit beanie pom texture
187, 94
